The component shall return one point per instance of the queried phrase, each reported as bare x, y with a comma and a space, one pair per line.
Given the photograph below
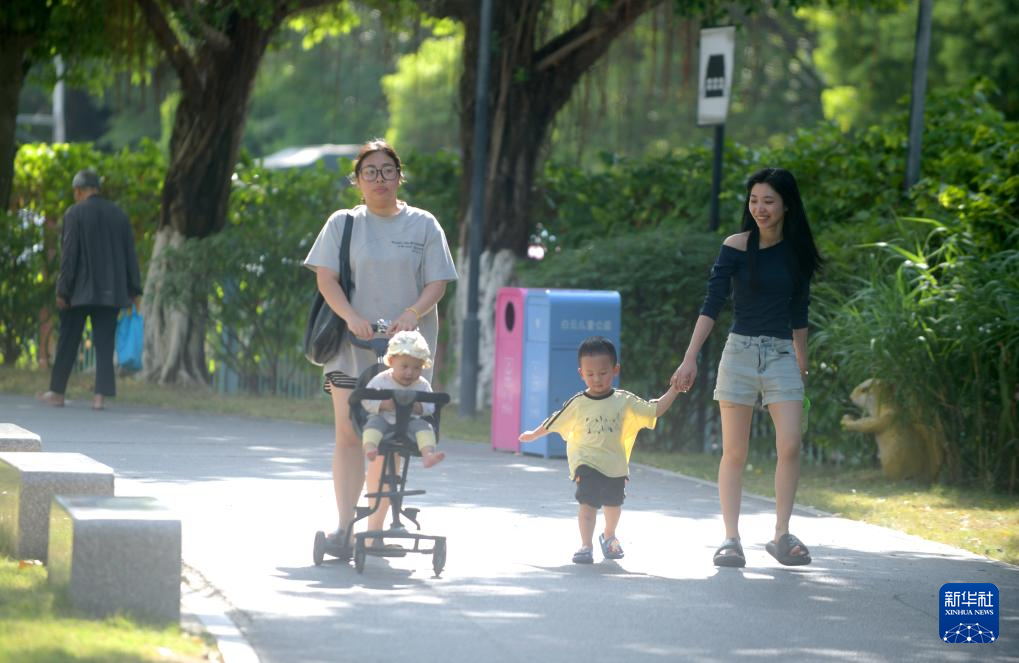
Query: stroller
396, 443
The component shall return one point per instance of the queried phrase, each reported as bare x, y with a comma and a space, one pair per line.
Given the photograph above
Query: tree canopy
32, 32
866, 56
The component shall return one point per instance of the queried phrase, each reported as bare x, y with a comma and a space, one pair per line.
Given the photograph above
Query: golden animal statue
907, 449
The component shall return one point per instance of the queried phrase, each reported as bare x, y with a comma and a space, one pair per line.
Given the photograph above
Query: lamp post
471, 324
717, 51
921, 55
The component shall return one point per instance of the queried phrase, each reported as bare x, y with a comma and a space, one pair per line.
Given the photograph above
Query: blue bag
130, 339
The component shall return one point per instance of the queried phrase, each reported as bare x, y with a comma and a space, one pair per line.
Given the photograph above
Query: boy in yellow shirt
600, 425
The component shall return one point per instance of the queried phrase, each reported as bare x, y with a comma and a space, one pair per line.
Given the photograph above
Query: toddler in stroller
397, 415
406, 356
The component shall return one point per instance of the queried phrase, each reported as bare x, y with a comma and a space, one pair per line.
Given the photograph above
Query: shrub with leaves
660, 278
888, 281
42, 192
252, 273
22, 293
939, 323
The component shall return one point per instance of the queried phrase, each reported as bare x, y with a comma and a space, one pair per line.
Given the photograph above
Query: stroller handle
377, 343
365, 394
404, 400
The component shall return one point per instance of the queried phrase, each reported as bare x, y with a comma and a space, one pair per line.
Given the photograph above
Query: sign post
718, 46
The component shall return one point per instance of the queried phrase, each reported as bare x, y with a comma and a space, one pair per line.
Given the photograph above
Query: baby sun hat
410, 343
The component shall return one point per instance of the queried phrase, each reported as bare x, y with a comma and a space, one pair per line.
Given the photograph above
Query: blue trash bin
555, 323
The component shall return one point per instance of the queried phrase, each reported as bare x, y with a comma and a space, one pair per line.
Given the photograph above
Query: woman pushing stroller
400, 264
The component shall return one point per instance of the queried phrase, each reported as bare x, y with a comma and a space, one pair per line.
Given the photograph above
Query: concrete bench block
28, 482
113, 555
16, 438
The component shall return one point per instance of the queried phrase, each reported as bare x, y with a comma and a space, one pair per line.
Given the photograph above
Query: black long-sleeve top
98, 263
775, 308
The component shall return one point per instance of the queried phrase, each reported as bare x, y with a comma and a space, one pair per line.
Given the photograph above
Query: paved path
253, 492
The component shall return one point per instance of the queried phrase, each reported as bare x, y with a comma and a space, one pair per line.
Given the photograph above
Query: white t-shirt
392, 259
384, 380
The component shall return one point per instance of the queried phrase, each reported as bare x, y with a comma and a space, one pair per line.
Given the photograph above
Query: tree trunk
174, 351
529, 83
204, 147
497, 271
13, 67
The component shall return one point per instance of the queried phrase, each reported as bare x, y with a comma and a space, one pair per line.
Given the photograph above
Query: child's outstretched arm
529, 435
663, 403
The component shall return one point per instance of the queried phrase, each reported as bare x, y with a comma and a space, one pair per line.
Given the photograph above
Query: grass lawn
317, 410
34, 628
982, 522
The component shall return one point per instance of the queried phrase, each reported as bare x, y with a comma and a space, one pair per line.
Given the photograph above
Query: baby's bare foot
431, 458
371, 453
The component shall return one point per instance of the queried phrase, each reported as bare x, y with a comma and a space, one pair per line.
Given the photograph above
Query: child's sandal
583, 556
610, 547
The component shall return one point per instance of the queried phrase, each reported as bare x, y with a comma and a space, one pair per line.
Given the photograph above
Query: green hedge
251, 272
658, 276
919, 289
257, 289
929, 306
30, 238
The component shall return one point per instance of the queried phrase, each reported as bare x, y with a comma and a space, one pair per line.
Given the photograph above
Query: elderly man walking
98, 276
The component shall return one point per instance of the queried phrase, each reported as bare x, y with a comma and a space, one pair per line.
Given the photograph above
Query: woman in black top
767, 268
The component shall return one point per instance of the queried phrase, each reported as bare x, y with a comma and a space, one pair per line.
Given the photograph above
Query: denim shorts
753, 366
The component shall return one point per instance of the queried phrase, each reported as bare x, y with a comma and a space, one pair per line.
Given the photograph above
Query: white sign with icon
718, 46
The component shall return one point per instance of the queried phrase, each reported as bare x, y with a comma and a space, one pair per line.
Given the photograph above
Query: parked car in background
308, 155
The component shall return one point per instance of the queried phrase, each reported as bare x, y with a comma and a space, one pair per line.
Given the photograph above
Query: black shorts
338, 379
597, 490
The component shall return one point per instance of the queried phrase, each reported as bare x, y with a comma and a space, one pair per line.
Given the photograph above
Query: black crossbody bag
324, 333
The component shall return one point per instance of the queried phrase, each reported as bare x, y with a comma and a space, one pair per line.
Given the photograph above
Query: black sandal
338, 545
730, 554
782, 551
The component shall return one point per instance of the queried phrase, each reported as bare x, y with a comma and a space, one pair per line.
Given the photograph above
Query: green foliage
575, 205
37, 625
943, 331
61, 27
251, 272
421, 93
931, 306
21, 294
318, 25
332, 60
655, 272
866, 54
42, 193
641, 97
941, 292
133, 178
433, 184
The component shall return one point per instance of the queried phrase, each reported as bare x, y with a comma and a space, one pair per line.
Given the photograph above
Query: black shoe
338, 545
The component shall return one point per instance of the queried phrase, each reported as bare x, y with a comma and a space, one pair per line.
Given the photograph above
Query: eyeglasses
389, 173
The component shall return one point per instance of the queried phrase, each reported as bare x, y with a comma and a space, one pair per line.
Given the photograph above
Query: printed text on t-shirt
416, 247
602, 424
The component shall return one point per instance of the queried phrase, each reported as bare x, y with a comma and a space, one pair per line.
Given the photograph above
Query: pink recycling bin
537, 334
507, 373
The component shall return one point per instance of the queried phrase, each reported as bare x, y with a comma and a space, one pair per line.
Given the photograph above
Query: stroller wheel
319, 551
439, 556
359, 554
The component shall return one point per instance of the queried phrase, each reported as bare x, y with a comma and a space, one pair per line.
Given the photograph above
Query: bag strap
345, 256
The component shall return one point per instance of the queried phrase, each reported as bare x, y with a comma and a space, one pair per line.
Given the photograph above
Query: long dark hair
805, 260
